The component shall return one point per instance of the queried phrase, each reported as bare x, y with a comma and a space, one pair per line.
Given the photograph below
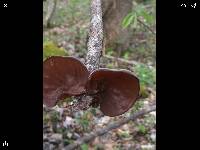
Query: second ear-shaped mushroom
115, 90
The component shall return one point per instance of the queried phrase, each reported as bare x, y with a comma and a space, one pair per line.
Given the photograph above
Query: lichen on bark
95, 42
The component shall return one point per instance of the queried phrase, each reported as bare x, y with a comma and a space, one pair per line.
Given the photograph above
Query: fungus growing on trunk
63, 77
114, 90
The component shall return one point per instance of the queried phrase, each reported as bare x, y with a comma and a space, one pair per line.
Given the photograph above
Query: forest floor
69, 33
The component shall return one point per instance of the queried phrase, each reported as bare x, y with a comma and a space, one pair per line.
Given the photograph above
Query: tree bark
95, 45
95, 42
114, 12
51, 8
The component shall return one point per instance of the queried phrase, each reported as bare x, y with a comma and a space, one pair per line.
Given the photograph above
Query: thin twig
121, 60
124, 61
140, 21
110, 127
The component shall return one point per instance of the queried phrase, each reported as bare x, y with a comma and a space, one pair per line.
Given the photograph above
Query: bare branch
95, 42
110, 127
146, 26
121, 60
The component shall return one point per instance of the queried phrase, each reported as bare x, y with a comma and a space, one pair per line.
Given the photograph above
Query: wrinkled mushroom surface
117, 90
63, 77
114, 90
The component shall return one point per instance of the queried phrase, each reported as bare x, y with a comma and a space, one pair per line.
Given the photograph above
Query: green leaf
128, 20
148, 18
146, 75
142, 129
126, 55
84, 147
139, 9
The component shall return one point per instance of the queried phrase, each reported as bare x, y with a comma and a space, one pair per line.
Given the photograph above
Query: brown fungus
63, 77
114, 90
117, 90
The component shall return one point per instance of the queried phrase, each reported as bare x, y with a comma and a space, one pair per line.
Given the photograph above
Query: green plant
146, 75
66, 141
143, 91
140, 11
84, 120
129, 19
124, 134
84, 147
46, 118
99, 147
138, 105
55, 117
84, 123
142, 129
109, 51
110, 65
126, 55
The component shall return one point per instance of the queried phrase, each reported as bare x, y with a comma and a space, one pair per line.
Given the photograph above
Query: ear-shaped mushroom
63, 77
117, 91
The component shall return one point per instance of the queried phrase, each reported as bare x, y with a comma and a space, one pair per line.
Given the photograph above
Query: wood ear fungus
117, 90
63, 77
114, 90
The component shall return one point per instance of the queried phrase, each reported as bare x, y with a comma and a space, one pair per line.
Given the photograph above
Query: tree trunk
114, 12
51, 8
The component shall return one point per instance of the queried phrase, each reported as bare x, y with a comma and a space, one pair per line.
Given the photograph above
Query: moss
143, 91
142, 129
51, 49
